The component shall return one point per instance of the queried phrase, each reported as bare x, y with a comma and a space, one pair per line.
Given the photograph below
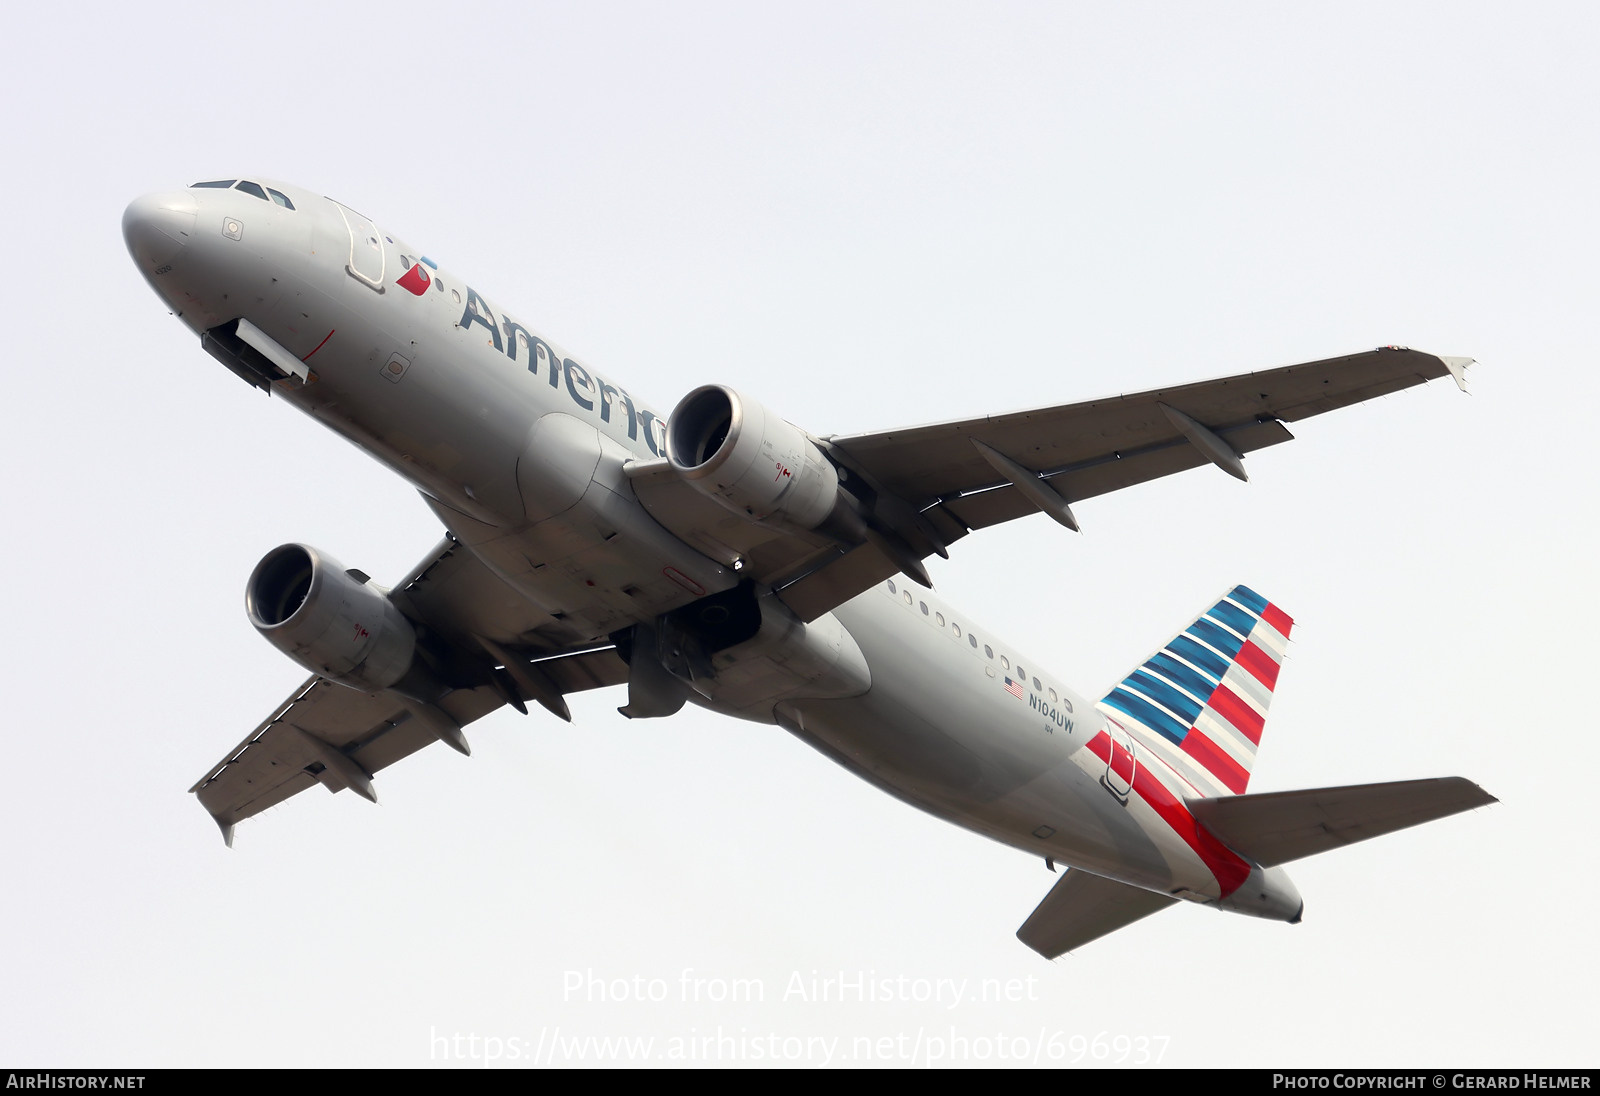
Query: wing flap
284, 755
1276, 827
287, 753
1110, 472
926, 463
1082, 907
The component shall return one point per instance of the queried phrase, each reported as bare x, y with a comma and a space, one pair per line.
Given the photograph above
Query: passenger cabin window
215, 184
972, 639
281, 198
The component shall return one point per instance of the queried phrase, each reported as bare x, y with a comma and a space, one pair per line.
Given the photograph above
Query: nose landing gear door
366, 263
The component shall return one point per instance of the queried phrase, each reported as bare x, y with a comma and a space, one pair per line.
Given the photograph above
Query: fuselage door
1118, 778
366, 263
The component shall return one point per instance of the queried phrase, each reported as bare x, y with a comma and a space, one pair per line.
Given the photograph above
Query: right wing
928, 486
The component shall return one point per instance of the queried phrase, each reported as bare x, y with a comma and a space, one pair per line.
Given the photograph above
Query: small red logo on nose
415, 280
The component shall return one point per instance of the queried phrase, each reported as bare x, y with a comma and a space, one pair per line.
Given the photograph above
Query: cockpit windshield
256, 189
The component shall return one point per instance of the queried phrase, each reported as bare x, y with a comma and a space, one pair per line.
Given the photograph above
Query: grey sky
865, 215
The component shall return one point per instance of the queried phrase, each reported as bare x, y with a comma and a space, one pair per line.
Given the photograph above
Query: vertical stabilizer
1201, 701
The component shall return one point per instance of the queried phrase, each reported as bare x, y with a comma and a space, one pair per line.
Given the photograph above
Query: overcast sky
864, 215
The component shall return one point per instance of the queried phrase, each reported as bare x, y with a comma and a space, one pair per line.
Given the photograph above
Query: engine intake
334, 622
733, 449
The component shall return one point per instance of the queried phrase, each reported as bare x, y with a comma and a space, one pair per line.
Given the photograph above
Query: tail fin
1200, 702
1277, 827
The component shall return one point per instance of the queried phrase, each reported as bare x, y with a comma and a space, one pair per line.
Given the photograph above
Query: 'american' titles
583, 389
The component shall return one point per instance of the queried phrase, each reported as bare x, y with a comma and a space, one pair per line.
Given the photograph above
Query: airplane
721, 556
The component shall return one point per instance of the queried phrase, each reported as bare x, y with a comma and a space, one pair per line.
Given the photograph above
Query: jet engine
753, 462
334, 622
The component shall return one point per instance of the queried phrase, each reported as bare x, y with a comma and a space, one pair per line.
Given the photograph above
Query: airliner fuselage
543, 471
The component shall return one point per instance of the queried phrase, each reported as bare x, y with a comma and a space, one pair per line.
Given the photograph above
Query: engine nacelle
750, 460
331, 621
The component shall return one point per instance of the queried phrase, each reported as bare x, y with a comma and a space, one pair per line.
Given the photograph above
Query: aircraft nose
157, 226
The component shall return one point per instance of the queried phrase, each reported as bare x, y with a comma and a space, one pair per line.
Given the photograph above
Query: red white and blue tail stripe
1200, 702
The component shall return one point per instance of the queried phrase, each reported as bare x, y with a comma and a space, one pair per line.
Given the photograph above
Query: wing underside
335, 736
326, 733
929, 486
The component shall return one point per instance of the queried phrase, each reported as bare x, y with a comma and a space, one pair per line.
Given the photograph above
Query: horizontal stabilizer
1277, 827
1082, 907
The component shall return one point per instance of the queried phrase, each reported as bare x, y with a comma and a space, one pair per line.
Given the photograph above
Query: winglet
226, 828
1458, 369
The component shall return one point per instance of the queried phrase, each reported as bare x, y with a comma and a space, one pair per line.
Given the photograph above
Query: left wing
336, 736
324, 734
926, 487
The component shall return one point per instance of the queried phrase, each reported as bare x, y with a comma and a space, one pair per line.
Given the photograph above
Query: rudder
1201, 701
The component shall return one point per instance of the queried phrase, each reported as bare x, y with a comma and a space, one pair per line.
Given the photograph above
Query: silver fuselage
518, 448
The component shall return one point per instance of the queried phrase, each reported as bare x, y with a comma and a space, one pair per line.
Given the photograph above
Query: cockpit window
252, 188
218, 184
281, 198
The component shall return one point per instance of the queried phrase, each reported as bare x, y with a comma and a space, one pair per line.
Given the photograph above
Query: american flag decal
415, 280
1014, 688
